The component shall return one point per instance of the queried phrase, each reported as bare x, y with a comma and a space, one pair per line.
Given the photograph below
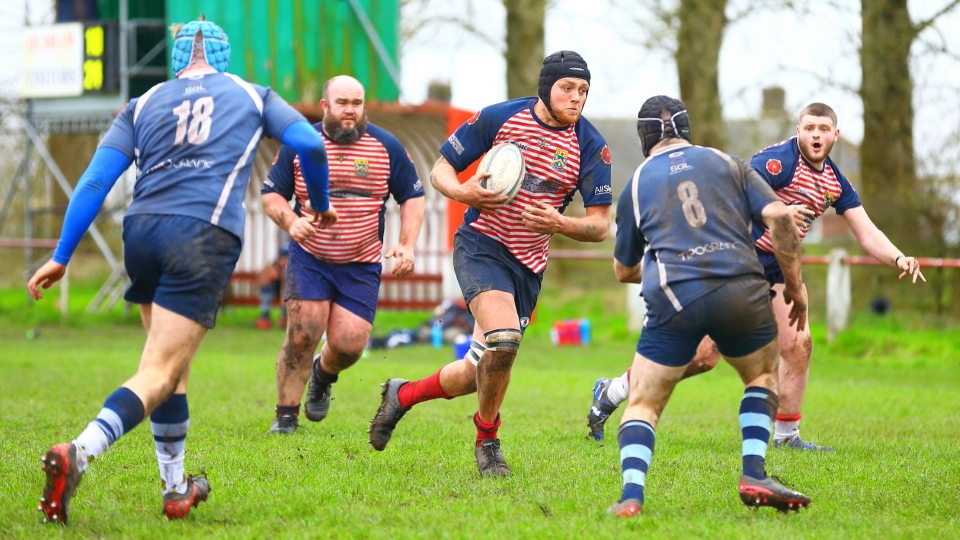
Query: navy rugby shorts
737, 316
180, 263
483, 264
352, 286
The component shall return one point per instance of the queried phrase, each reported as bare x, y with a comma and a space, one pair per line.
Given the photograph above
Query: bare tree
699, 37
888, 165
523, 46
524, 50
692, 31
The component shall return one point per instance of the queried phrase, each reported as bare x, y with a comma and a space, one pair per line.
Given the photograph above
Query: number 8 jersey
686, 215
193, 141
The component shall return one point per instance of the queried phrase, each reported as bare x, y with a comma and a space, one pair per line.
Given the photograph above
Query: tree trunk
888, 174
698, 53
524, 52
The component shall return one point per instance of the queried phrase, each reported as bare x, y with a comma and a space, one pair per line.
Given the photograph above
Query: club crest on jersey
559, 160
774, 166
524, 322
827, 199
361, 167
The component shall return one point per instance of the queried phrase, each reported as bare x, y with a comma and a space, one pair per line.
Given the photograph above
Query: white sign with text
52, 61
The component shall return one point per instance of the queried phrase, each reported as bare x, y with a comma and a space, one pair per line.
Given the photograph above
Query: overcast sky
814, 57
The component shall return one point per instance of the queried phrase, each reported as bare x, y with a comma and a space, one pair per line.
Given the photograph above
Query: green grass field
885, 394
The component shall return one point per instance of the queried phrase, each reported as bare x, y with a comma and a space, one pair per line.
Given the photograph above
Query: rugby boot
769, 492
317, 404
490, 460
284, 424
799, 444
389, 413
176, 505
600, 410
63, 477
627, 508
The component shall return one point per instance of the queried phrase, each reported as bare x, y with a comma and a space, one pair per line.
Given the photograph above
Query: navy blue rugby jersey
193, 140
686, 215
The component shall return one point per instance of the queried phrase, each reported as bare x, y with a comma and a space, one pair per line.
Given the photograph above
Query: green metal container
294, 46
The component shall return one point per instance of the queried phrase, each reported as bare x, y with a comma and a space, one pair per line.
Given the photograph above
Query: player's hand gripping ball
507, 169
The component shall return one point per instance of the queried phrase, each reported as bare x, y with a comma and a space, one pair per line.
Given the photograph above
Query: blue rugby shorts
353, 286
180, 263
738, 316
483, 264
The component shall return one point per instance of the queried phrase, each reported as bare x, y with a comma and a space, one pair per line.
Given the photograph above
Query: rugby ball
507, 169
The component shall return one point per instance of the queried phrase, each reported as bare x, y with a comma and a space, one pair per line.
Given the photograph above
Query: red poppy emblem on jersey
474, 118
774, 166
605, 154
275, 158
409, 156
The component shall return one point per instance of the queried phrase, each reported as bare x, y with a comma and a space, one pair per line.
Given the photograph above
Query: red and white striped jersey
559, 162
362, 176
796, 182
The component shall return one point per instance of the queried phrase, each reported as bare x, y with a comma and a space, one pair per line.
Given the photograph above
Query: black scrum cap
560, 65
652, 129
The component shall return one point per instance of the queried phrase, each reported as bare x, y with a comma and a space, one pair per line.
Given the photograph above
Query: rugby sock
619, 389
425, 389
169, 423
266, 299
321, 374
295, 410
636, 440
121, 412
475, 352
757, 409
787, 428
485, 430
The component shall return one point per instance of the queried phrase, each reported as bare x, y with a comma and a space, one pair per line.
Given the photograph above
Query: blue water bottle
584, 331
436, 335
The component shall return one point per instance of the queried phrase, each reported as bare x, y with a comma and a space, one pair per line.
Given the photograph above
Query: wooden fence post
636, 308
838, 294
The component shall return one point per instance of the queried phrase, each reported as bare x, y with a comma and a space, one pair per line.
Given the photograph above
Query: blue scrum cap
216, 47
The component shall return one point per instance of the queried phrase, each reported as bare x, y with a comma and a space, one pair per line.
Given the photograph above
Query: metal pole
27, 218
124, 52
65, 186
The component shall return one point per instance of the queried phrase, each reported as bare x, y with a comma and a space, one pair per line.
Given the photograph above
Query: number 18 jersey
194, 140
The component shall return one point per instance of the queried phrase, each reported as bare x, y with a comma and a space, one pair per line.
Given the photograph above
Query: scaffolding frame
88, 114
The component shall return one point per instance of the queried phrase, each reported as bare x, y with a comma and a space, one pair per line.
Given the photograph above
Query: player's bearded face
345, 123
816, 135
567, 97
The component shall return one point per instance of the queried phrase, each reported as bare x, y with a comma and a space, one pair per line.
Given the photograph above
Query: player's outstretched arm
786, 248
102, 173
444, 179
308, 145
874, 242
